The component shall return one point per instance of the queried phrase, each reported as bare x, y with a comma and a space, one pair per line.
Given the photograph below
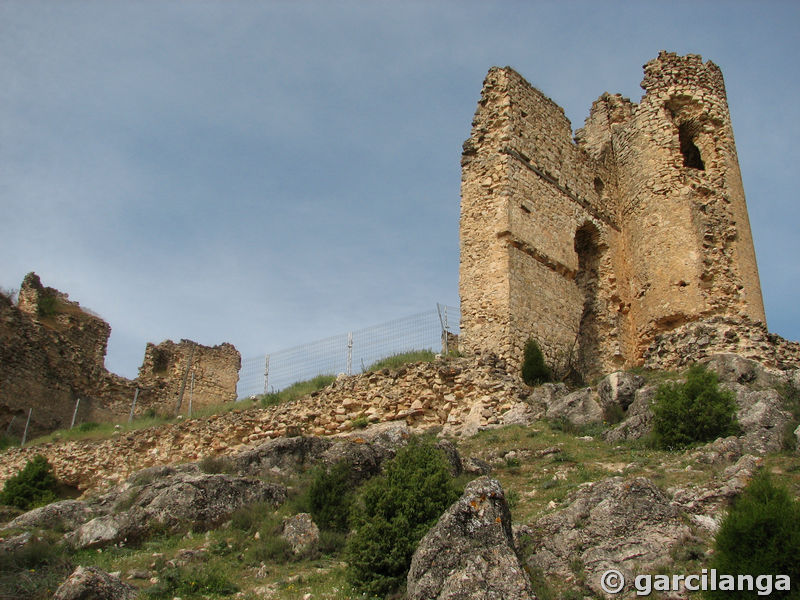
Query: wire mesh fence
351, 352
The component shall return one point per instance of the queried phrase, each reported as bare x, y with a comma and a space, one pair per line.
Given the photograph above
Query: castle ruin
600, 246
52, 354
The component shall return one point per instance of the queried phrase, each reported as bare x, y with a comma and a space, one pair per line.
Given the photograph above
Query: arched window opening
690, 151
599, 186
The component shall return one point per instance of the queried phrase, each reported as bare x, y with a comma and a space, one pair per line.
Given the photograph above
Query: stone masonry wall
695, 341
213, 372
53, 353
456, 393
595, 247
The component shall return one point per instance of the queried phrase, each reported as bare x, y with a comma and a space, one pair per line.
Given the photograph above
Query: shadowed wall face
596, 246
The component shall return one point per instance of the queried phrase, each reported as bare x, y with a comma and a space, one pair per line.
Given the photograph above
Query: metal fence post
444, 327
266, 375
191, 394
133, 405
27, 423
75, 413
349, 352
185, 378
10, 423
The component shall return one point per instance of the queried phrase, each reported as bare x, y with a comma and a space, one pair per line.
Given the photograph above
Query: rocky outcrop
469, 553
170, 502
638, 420
761, 407
301, 533
578, 408
92, 583
705, 500
616, 523
64, 516
618, 389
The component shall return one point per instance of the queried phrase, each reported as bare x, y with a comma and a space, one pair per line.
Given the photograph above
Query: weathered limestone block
469, 553
92, 583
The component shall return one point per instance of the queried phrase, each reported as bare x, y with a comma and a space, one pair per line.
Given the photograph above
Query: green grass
398, 360
297, 390
99, 431
234, 551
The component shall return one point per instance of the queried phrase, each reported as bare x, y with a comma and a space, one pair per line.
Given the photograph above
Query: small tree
35, 485
534, 369
392, 513
760, 536
330, 496
695, 411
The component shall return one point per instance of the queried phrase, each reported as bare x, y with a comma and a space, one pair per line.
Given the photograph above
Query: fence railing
351, 352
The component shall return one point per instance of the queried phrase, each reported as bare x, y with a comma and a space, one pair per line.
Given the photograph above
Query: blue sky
270, 173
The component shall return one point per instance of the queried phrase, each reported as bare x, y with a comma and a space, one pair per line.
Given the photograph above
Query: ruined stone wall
542, 190
208, 374
53, 353
682, 203
455, 394
596, 247
697, 340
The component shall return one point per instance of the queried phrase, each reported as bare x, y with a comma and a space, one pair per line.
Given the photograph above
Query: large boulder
619, 389
364, 451
735, 369
281, 455
638, 420
172, 503
615, 523
64, 515
469, 553
763, 419
301, 533
91, 583
578, 408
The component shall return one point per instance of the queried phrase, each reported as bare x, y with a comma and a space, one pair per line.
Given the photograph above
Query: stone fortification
53, 353
460, 395
595, 247
213, 372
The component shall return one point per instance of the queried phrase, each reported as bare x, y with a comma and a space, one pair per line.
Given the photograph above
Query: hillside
583, 495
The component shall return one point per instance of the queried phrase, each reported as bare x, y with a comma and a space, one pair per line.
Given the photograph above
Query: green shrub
534, 369
33, 570
47, 306
35, 485
695, 411
194, 583
297, 390
217, 464
398, 360
360, 422
760, 536
330, 496
392, 513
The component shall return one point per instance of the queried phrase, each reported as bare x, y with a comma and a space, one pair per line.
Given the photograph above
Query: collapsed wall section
550, 244
209, 374
53, 354
682, 206
597, 247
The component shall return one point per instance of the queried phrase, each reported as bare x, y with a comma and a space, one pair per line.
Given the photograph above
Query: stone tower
594, 247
